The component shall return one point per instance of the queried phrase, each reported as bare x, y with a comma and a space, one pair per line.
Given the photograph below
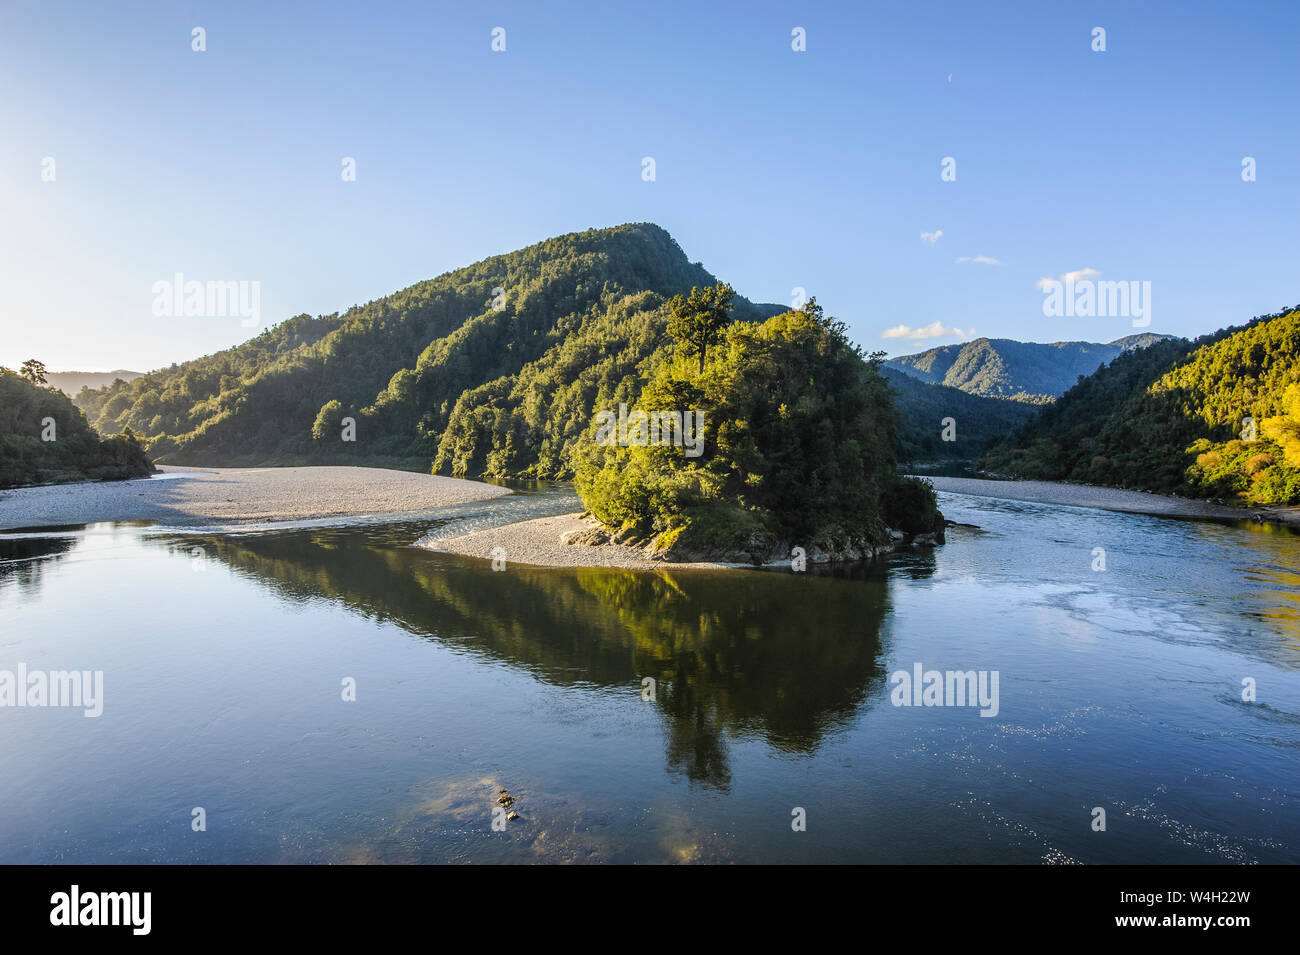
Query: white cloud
1076, 276
979, 260
930, 238
933, 330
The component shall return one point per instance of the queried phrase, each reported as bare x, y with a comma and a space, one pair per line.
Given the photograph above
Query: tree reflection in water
788, 657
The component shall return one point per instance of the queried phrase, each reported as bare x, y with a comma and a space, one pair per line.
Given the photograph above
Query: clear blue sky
775, 169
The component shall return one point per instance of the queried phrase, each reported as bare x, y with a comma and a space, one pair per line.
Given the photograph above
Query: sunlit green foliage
327, 420
1173, 417
700, 319
798, 445
1283, 429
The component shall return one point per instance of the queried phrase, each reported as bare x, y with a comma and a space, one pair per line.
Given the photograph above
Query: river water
1162, 691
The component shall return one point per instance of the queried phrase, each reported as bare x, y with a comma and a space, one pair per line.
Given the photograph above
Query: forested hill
490, 368
1218, 417
44, 438
1004, 368
978, 422
496, 368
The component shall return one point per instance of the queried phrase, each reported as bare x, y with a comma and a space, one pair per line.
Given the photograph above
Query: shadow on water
25, 559
731, 652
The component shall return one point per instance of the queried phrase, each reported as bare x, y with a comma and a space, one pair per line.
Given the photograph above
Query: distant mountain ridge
71, 382
1024, 371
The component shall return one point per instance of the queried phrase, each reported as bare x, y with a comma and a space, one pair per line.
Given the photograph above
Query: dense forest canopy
1218, 417
501, 368
798, 449
492, 369
429, 373
977, 421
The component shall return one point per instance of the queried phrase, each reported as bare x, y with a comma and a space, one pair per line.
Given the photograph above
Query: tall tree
700, 320
33, 371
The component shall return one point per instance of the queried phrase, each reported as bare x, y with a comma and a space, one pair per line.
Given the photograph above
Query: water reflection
770, 687
25, 558
783, 656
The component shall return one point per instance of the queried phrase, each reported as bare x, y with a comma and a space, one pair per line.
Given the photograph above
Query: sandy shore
537, 542
239, 496
1110, 499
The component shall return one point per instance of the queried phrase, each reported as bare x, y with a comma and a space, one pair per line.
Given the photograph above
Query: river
340, 694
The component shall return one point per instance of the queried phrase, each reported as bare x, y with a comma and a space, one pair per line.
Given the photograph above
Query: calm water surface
224, 656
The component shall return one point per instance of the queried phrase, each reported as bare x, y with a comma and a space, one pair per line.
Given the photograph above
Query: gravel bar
188, 497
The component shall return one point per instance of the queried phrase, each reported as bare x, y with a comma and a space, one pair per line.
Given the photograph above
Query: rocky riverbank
578, 540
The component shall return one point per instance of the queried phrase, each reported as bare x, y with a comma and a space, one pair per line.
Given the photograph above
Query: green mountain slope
1172, 417
455, 375
979, 421
1001, 367
427, 373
